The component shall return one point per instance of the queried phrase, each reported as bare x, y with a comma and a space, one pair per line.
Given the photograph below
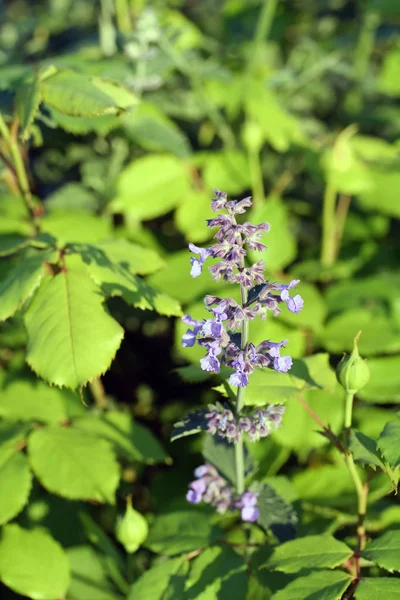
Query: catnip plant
225, 338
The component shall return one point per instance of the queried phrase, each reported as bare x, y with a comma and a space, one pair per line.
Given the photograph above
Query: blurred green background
295, 102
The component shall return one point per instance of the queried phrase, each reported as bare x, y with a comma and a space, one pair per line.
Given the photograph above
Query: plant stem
348, 410
264, 24
328, 226
99, 394
239, 448
123, 16
19, 170
341, 216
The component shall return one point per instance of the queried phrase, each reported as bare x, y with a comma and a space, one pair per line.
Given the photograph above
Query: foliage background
295, 103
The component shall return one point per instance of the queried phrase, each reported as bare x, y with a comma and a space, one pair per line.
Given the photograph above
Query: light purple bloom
193, 497
250, 514
197, 263
282, 364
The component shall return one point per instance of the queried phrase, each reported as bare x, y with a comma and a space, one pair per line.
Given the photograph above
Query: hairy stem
18, 168
328, 245
239, 448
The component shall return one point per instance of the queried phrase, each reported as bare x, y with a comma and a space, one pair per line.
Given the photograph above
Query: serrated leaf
74, 464
316, 551
389, 443
181, 531
22, 280
27, 100
122, 96
151, 186
363, 449
74, 197
75, 95
11, 243
216, 574
89, 576
193, 423
164, 581
130, 439
71, 337
83, 125
385, 551
379, 588
26, 399
119, 256
26, 560
320, 585
384, 384
15, 481
274, 510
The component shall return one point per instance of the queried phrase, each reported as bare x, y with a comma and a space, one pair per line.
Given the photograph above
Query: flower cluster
211, 488
227, 316
259, 424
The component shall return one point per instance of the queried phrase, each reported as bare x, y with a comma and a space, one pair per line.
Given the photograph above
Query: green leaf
151, 186
89, 576
389, 443
11, 243
176, 280
33, 564
382, 197
151, 129
121, 257
300, 431
228, 167
277, 255
76, 95
279, 127
191, 215
22, 280
130, 439
26, 399
389, 77
122, 96
83, 125
379, 588
181, 531
15, 481
72, 338
27, 100
74, 464
385, 551
69, 226
326, 585
274, 510
73, 197
384, 383
379, 333
193, 423
217, 574
326, 485
364, 450
164, 581
316, 551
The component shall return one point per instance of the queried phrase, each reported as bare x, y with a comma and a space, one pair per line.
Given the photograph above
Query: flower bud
353, 371
132, 529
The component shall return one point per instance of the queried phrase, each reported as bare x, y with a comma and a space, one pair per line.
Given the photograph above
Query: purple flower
193, 497
282, 364
197, 263
250, 514
210, 363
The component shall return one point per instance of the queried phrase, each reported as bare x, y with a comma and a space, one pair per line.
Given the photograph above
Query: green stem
20, 171
224, 131
257, 181
239, 448
123, 16
348, 411
264, 25
328, 245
